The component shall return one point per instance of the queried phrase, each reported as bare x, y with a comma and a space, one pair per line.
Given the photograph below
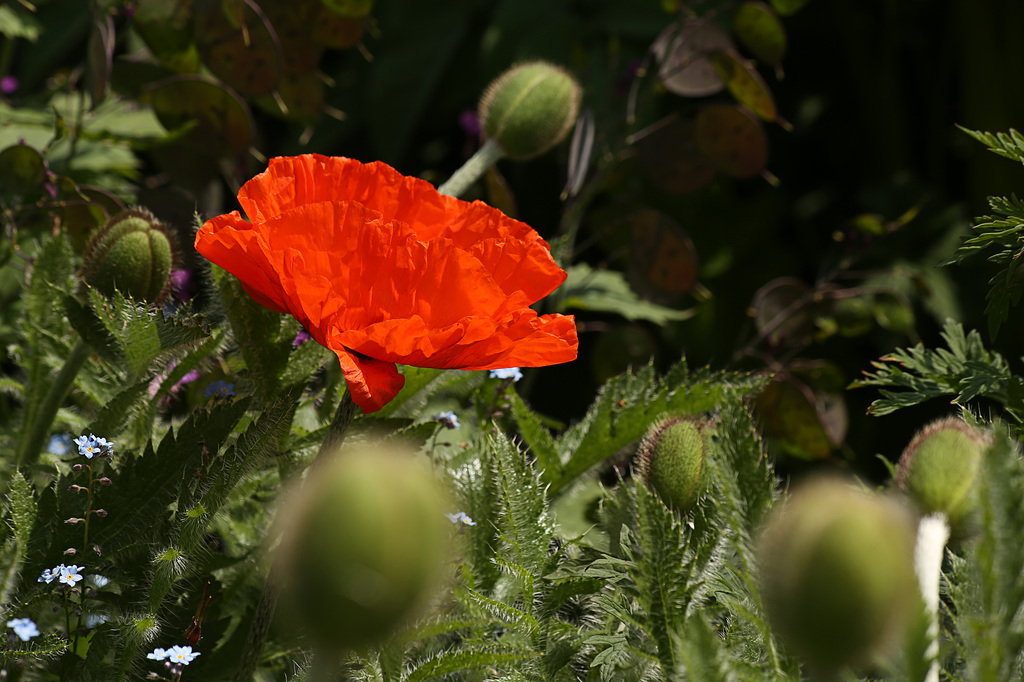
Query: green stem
35, 433
264, 615
478, 164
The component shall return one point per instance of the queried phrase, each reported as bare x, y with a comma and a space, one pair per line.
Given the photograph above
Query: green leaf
537, 438
21, 505
608, 291
466, 659
15, 24
966, 371
629, 403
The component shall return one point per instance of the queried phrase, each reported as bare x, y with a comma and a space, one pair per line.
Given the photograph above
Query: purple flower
8, 84
469, 122
301, 338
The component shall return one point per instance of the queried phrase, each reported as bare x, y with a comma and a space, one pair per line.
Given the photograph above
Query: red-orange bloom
382, 269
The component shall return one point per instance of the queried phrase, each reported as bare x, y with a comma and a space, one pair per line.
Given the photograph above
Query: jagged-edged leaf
21, 506
117, 411
467, 659
525, 525
965, 371
537, 438
422, 384
262, 335
504, 613
990, 622
627, 405
148, 483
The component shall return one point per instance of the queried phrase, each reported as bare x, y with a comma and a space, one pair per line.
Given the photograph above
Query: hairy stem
932, 534
343, 417
478, 164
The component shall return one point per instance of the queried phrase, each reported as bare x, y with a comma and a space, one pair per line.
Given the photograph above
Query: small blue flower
70, 575
91, 446
94, 619
59, 444
220, 389
507, 373
461, 518
51, 574
99, 581
448, 419
182, 655
24, 628
158, 654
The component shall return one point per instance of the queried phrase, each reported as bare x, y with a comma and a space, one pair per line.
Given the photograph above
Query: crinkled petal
234, 244
382, 269
524, 340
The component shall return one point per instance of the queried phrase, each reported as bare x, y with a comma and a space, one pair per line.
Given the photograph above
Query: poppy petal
382, 269
372, 383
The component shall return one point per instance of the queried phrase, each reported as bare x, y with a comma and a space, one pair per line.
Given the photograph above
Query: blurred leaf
745, 84
759, 29
22, 170
684, 51
732, 140
608, 291
17, 23
673, 160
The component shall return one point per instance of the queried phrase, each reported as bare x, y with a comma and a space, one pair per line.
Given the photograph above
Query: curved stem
264, 615
478, 164
35, 432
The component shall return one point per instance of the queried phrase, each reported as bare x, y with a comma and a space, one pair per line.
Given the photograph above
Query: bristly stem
490, 153
250, 657
932, 534
38, 425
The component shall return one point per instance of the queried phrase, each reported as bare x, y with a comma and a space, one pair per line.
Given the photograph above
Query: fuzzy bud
838, 572
530, 108
364, 546
938, 468
672, 460
133, 254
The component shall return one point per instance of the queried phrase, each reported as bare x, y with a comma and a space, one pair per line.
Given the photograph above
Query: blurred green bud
132, 253
938, 468
838, 573
672, 460
530, 108
364, 540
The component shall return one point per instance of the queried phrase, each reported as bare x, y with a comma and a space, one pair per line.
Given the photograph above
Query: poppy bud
672, 460
363, 547
838, 572
530, 108
938, 468
133, 254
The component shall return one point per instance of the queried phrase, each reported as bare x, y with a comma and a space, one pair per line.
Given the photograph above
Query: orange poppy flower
382, 269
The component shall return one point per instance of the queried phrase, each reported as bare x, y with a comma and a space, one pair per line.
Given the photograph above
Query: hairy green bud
363, 545
672, 460
132, 253
530, 108
938, 468
838, 572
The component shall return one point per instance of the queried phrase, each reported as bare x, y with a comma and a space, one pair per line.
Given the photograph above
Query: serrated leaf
627, 404
465, 659
21, 506
538, 439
